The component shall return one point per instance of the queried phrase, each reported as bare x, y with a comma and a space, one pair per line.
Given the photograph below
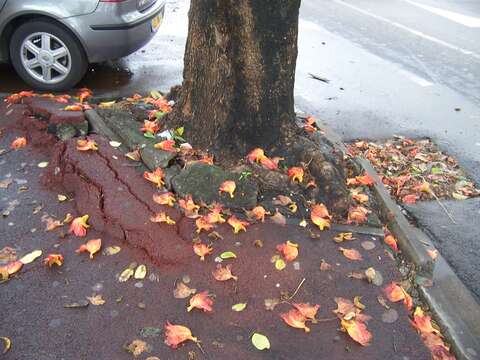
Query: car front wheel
47, 56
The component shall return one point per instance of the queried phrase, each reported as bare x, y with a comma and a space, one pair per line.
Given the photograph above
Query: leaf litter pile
253, 269
415, 169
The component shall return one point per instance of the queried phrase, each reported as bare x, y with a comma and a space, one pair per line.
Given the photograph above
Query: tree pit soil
321, 161
119, 203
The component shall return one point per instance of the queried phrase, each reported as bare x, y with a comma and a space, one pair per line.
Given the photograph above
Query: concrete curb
454, 307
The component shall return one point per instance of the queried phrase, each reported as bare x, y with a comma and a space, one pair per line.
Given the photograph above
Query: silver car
51, 42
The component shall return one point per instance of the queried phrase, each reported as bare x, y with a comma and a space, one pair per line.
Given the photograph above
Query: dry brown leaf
96, 299
278, 218
182, 291
271, 303
282, 200
137, 347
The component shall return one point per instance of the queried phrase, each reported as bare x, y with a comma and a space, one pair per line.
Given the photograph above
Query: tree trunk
239, 73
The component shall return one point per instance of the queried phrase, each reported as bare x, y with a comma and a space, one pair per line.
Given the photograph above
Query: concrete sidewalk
40, 327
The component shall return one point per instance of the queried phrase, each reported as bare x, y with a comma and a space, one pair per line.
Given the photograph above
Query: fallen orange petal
256, 155
433, 254
52, 224
310, 124
361, 198
422, 322
166, 145
162, 217
91, 246
79, 226
229, 187
11, 268
258, 212
307, 310
155, 177
18, 143
76, 107
86, 144
190, 208
423, 187
410, 199
357, 331
295, 174
84, 93
294, 318
320, 216
224, 273
201, 301
391, 241
215, 215
366, 180
344, 306
237, 224
53, 259
166, 198
289, 250
351, 254
268, 163
357, 214
395, 293
176, 334
437, 347
201, 250
202, 223
150, 126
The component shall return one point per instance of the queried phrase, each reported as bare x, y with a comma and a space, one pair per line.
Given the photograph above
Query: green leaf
437, 170
239, 307
280, 264
178, 138
155, 94
458, 196
260, 341
180, 131
228, 255
159, 114
149, 135
150, 332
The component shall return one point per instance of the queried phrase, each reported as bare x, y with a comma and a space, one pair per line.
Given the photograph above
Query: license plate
156, 22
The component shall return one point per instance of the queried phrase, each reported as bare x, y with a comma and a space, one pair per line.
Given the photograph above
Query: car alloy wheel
46, 58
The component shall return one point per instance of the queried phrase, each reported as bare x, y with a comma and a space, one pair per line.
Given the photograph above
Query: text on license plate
156, 22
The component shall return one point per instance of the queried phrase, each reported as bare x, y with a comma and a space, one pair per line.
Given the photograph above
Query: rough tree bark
239, 73
237, 91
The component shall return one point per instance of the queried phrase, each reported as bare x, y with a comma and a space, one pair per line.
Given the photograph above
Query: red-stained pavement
32, 303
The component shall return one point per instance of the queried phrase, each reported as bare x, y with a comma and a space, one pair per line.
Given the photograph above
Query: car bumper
106, 41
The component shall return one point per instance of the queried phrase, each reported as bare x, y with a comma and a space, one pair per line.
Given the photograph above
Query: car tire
47, 56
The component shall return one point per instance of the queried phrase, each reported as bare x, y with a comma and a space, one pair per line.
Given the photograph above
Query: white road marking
464, 20
412, 31
309, 25
416, 79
